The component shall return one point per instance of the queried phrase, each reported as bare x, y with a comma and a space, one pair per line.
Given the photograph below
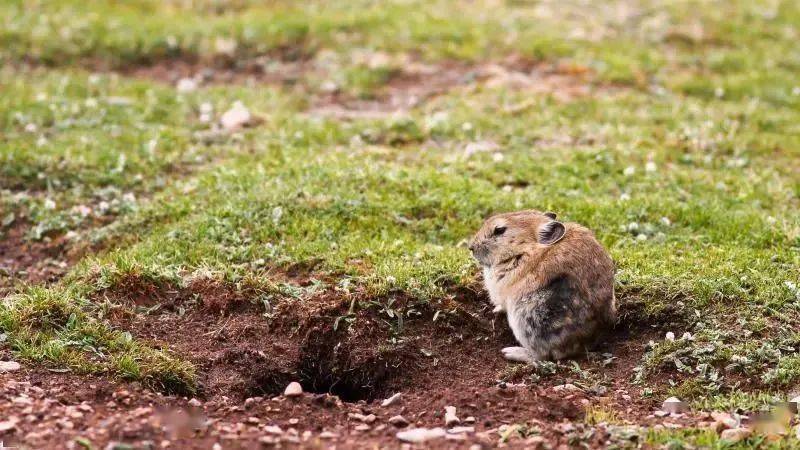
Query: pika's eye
498, 231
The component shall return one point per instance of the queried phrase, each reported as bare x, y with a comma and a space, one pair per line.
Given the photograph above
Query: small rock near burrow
7, 425
328, 435
735, 434
398, 421
293, 390
195, 403
416, 435
273, 429
391, 400
366, 419
673, 405
450, 417
566, 387
9, 366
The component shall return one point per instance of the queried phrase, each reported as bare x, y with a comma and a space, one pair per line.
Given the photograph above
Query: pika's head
509, 235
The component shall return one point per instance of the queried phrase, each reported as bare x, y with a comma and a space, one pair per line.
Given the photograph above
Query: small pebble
398, 421
9, 366
416, 435
735, 434
674, 406
236, 117
450, 417
293, 390
273, 429
186, 85
391, 400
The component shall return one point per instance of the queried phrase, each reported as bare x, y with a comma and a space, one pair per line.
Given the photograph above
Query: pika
554, 280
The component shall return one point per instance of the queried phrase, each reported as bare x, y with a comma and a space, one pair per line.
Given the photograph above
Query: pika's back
580, 258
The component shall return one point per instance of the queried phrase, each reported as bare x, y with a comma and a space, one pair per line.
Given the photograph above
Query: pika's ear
551, 215
551, 232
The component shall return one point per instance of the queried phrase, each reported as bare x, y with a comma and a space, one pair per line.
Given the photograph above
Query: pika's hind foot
518, 354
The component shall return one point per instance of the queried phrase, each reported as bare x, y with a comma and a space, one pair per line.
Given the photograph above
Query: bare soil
25, 261
407, 86
346, 367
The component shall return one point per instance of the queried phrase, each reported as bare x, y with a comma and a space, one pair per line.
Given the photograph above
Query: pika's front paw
518, 354
498, 309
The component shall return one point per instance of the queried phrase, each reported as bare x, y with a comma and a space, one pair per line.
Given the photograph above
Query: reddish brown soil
407, 87
246, 359
23, 261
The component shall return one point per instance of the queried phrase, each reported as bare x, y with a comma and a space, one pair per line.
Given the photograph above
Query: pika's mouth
481, 255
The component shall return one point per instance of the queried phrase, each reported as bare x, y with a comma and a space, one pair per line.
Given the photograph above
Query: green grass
686, 168
708, 439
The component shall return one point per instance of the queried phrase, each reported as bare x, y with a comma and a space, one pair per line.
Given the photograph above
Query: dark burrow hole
351, 367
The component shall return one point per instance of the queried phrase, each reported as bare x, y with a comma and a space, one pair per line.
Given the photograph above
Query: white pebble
236, 117
9, 366
416, 435
391, 400
186, 85
398, 421
293, 390
450, 417
273, 429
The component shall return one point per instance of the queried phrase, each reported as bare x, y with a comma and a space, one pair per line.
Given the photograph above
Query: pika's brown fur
555, 281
